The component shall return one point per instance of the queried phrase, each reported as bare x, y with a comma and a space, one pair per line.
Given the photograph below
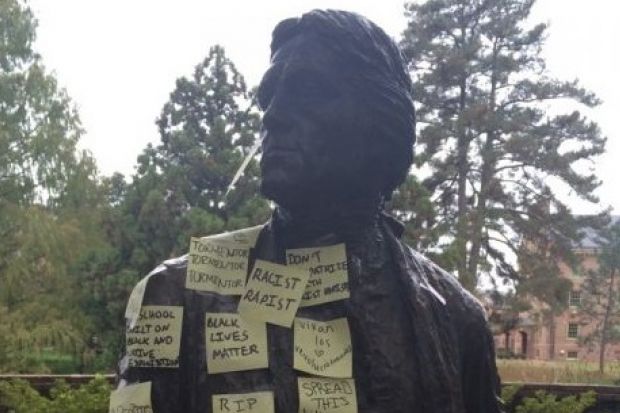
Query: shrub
543, 402
19, 397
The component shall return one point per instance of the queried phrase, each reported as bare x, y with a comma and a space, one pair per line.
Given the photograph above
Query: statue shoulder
445, 285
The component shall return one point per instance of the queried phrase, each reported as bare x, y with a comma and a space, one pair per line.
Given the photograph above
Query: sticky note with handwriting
257, 402
323, 395
134, 398
217, 265
235, 344
323, 348
245, 237
328, 273
273, 293
155, 339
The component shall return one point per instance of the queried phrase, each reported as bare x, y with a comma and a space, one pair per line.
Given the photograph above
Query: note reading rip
155, 339
323, 348
273, 293
327, 268
258, 402
135, 398
235, 344
321, 395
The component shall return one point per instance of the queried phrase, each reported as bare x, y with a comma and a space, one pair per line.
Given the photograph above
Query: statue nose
276, 119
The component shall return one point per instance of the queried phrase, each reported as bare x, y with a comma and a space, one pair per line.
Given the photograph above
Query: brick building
531, 338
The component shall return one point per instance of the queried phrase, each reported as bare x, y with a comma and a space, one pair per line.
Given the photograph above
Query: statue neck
347, 221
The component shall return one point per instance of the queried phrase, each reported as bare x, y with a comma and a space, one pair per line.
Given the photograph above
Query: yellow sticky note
243, 237
273, 293
323, 348
328, 273
217, 265
258, 402
235, 344
133, 398
322, 395
155, 339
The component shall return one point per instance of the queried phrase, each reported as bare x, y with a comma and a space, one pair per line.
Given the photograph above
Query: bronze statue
339, 129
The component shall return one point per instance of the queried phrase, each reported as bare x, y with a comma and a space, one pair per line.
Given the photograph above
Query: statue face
313, 126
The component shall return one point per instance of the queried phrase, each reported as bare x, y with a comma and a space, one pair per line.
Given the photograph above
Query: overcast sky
119, 59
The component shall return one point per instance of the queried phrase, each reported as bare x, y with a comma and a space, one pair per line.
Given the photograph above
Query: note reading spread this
135, 398
328, 275
155, 339
322, 395
258, 402
235, 344
273, 293
323, 348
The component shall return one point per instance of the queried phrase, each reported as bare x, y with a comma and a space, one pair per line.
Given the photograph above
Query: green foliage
499, 161
600, 304
509, 393
548, 403
20, 397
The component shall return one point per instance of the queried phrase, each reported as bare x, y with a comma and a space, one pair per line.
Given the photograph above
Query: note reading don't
155, 339
257, 402
135, 398
323, 348
235, 344
328, 273
273, 293
321, 395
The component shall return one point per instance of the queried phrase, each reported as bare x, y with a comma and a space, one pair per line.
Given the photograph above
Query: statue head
338, 112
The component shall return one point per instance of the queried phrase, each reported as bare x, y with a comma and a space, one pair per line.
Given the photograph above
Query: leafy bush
543, 402
19, 397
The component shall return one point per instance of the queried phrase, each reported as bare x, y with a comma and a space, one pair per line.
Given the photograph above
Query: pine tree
493, 150
601, 293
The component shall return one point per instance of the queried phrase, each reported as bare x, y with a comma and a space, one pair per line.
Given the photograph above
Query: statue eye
309, 87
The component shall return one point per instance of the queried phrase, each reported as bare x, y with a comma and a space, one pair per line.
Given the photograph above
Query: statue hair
376, 70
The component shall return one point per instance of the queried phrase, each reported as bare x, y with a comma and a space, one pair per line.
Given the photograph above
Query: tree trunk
486, 177
605, 325
462, 170
551, 337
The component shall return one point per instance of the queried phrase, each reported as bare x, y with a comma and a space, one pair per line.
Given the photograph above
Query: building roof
591, 239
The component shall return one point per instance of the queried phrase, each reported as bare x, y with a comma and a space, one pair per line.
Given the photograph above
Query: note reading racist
318, 395
259, 402
135, 398
155, 339
217, 265
235, 344
327, 268
323, 348
273, 293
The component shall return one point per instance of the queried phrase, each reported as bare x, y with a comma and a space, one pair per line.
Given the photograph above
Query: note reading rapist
273, 293
322, 395
328, 273
323, 348
135, 398
235, 344
258, 402
155, 339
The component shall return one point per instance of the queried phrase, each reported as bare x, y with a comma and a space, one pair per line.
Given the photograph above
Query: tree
601, 293
493, 150
207, 128
49, 193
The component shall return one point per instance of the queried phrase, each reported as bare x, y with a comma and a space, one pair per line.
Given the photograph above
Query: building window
573, 330
571, 355
574, 298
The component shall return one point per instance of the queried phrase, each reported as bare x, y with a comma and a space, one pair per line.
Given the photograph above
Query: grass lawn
557, 372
